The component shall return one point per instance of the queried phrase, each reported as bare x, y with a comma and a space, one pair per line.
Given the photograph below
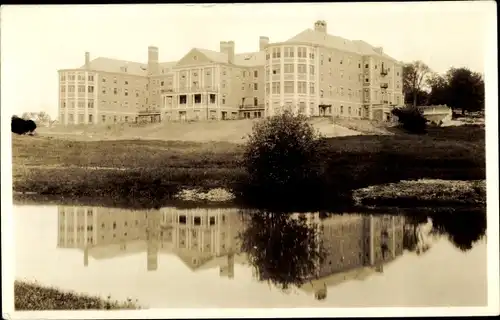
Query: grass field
154, 170
30, 296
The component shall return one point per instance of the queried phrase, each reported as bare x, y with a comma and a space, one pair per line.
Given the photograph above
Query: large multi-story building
313, 73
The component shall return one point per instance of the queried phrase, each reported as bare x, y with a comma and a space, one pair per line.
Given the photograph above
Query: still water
189, 258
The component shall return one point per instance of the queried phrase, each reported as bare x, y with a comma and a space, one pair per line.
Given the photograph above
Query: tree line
459, 88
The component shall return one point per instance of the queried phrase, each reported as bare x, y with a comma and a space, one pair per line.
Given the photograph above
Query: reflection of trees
462, 227
284, 249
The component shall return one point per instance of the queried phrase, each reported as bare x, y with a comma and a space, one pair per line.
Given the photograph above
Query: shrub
411, 119
21, 126
283, 158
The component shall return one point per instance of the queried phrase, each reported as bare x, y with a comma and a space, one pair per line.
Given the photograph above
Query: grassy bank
34, 297
155, 170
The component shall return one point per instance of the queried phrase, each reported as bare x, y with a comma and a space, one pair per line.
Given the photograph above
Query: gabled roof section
202, 56
116, 66
215, 56
250, 59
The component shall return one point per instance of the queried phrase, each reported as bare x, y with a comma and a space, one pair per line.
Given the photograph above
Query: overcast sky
39, 40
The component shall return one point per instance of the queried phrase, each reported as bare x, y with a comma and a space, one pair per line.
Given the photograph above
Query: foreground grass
32, 297
155, 170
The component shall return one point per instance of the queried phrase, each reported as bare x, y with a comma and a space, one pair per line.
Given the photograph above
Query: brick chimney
87, 60
263, 43
153, 63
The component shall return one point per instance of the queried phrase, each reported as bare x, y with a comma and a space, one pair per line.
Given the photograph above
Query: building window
301, 68
81, 89
212, 98
276, 69
367, 65
276, 88
223, 101
91, 77
255, 86
301, 52
341, 109
115, 90
197, 98
276, 52
255, 74
90, 104
80, 118
63, 104
311, 88
301, 87
91, 89
90, 121
311, 70
103, 119
288, 68
125, 92
81, 104
255, 101
288, 52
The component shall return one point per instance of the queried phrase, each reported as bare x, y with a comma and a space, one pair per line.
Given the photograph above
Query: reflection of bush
284, 250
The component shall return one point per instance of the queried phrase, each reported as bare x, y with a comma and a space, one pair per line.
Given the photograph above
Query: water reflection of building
201, 238
355, 246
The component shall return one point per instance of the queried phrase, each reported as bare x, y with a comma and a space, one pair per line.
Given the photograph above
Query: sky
37, 40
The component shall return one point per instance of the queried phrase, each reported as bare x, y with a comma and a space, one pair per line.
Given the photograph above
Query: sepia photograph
249, 160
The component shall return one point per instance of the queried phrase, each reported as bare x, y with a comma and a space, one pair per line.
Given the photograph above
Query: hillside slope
234, 131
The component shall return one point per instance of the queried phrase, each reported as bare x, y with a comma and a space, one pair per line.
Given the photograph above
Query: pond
227, 258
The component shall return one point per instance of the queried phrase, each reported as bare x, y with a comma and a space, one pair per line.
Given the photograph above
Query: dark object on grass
411, 119
21, 126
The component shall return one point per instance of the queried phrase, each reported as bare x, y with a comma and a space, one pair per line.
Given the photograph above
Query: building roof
327, 40
215, 56
250, 59
115, 66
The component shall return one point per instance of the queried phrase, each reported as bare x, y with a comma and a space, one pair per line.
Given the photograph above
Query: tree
283, 159
466, 90
414, 76
440, 93
43, 117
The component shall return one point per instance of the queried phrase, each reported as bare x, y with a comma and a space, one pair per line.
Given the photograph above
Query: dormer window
195, 57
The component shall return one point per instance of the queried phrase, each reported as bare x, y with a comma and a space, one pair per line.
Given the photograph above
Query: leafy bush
283, 158
411, 119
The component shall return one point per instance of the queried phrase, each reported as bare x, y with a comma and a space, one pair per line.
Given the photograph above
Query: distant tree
439, 90
466, 90
422, 98
43, 117
414, 76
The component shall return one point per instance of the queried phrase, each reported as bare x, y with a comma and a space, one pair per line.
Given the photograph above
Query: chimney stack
153, 63
263, 43
320, 26
87, 60
227, 47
